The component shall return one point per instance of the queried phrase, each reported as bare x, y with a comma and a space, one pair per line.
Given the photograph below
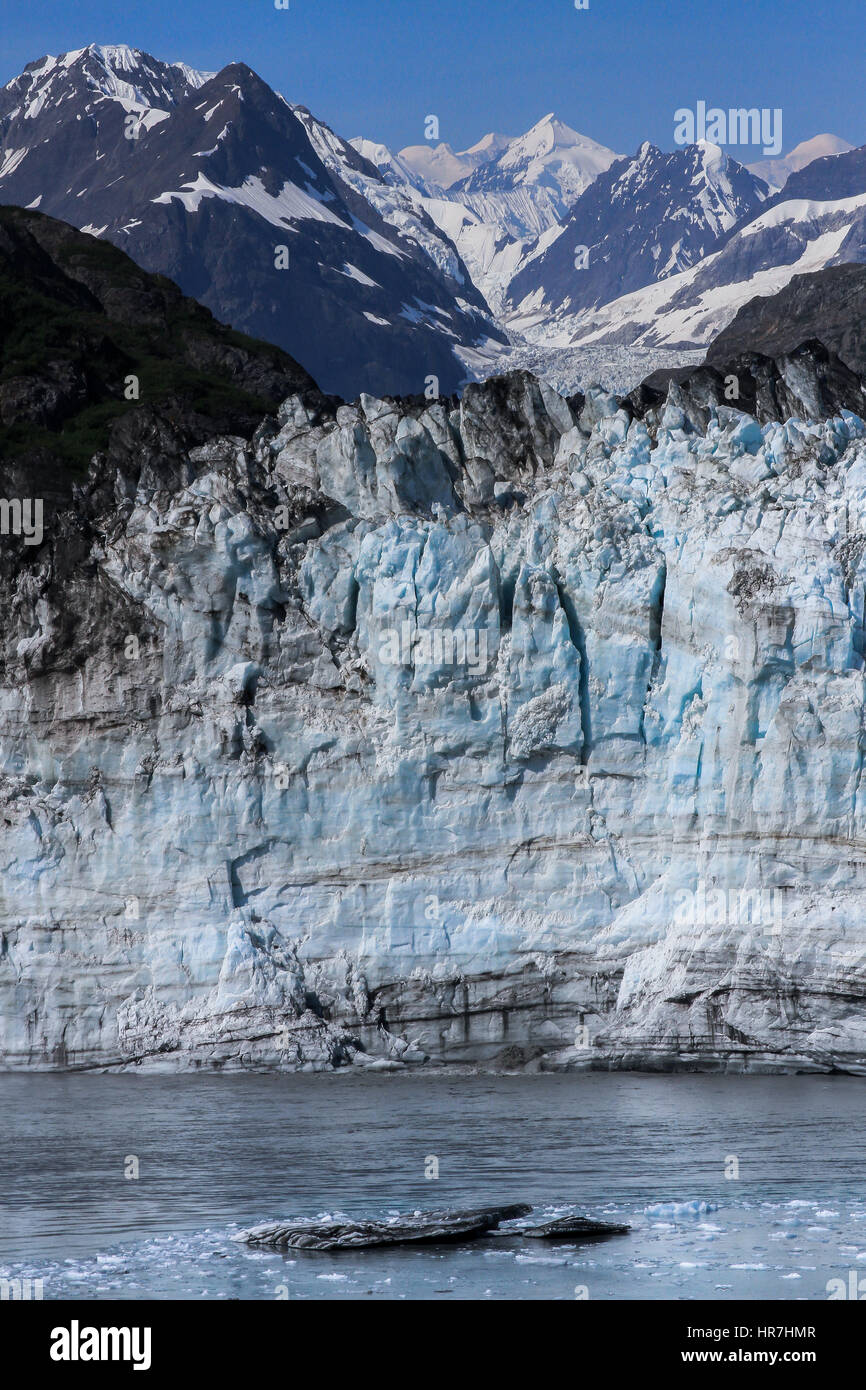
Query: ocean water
215, 1154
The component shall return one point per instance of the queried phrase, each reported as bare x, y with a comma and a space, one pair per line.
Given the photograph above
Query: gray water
219, 1153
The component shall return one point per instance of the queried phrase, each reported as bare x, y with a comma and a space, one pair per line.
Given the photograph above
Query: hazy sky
616, 71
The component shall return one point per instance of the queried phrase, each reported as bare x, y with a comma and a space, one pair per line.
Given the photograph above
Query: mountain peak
552, 128
239, 69
778, 171
201, 176
117, 55
437, 165
550, 155
489, 145
115, 72
819, 147
712, 157
642, 220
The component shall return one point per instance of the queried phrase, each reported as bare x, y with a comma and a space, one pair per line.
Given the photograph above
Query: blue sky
616, 71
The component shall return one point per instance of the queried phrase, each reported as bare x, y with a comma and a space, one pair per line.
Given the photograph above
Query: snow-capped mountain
644, 219
776, 172
439, 167
535, 180
393, 168
379, 270
818, 220
135, 80
204, 177
651, 233
515, 191
491, 255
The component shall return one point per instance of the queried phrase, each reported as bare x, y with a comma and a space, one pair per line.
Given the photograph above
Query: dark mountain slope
77, 319
643, 219
222, 172
827, 179
828, 304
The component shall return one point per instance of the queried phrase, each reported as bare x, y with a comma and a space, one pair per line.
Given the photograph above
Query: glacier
513, 731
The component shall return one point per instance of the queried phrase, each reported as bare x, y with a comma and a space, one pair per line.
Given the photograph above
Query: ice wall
513, 732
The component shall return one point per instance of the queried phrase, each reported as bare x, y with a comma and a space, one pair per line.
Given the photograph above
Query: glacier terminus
263, 809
